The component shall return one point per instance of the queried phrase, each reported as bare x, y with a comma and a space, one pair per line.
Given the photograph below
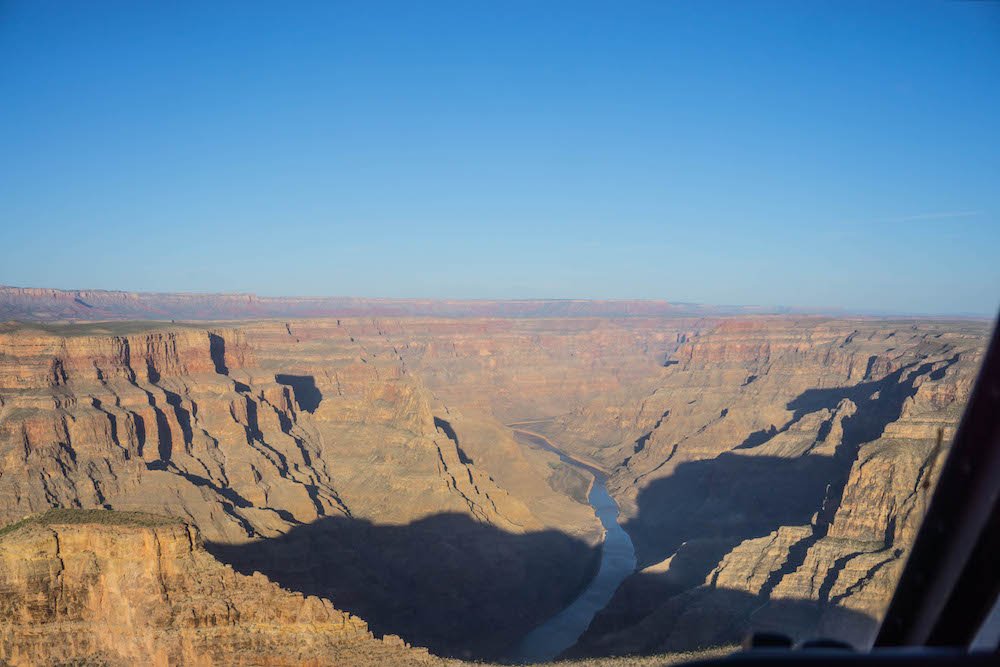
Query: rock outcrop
271, 434
111, 588
776, 475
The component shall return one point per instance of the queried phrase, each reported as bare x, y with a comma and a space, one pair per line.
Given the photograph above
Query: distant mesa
46, 305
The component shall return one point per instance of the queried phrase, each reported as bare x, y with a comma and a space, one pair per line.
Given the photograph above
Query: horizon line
772, 309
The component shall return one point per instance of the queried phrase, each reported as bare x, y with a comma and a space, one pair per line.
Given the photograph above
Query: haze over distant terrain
832, 155
41, 305
36, 304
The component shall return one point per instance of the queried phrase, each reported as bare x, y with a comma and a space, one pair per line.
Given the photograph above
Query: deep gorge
368, 461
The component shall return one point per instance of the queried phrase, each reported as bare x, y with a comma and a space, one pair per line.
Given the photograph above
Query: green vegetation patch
111, 328
63, 516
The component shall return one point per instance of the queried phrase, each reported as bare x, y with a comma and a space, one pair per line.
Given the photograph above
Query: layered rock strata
774, 478
771, 471
110, 588
319, 459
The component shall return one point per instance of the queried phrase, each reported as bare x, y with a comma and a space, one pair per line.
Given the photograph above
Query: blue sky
807, 154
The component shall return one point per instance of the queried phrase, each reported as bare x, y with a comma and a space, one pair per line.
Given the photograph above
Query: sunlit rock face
110, 588
311, 453
770, 470
774, 478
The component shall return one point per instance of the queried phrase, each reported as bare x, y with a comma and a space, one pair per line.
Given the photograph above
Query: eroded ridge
286, 442
784, 469
113, 588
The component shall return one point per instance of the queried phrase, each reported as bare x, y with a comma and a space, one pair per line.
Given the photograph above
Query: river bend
562, 630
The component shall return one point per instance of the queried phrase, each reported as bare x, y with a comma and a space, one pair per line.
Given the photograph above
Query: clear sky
798, 153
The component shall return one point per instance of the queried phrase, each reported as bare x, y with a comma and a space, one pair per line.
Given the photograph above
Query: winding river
617, 562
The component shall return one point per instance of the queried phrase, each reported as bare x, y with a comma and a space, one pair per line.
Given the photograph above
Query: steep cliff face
263, 438
776, 475
98, 587
154, 420
506, 368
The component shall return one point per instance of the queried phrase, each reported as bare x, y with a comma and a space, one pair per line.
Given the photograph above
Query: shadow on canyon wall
718, 503
466, 589
705, 508
307, 394
445, 427
738, 496
697, 516
217, 351
650, 615
447, 582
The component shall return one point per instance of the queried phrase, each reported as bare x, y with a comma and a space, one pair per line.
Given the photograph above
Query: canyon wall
775, 476
317, 458
117, 589
771, 471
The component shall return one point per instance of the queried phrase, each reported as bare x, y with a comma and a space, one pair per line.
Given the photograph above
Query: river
563, 629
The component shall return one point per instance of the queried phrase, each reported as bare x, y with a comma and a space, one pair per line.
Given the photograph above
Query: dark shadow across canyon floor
447, 582
463, 588
707, 507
